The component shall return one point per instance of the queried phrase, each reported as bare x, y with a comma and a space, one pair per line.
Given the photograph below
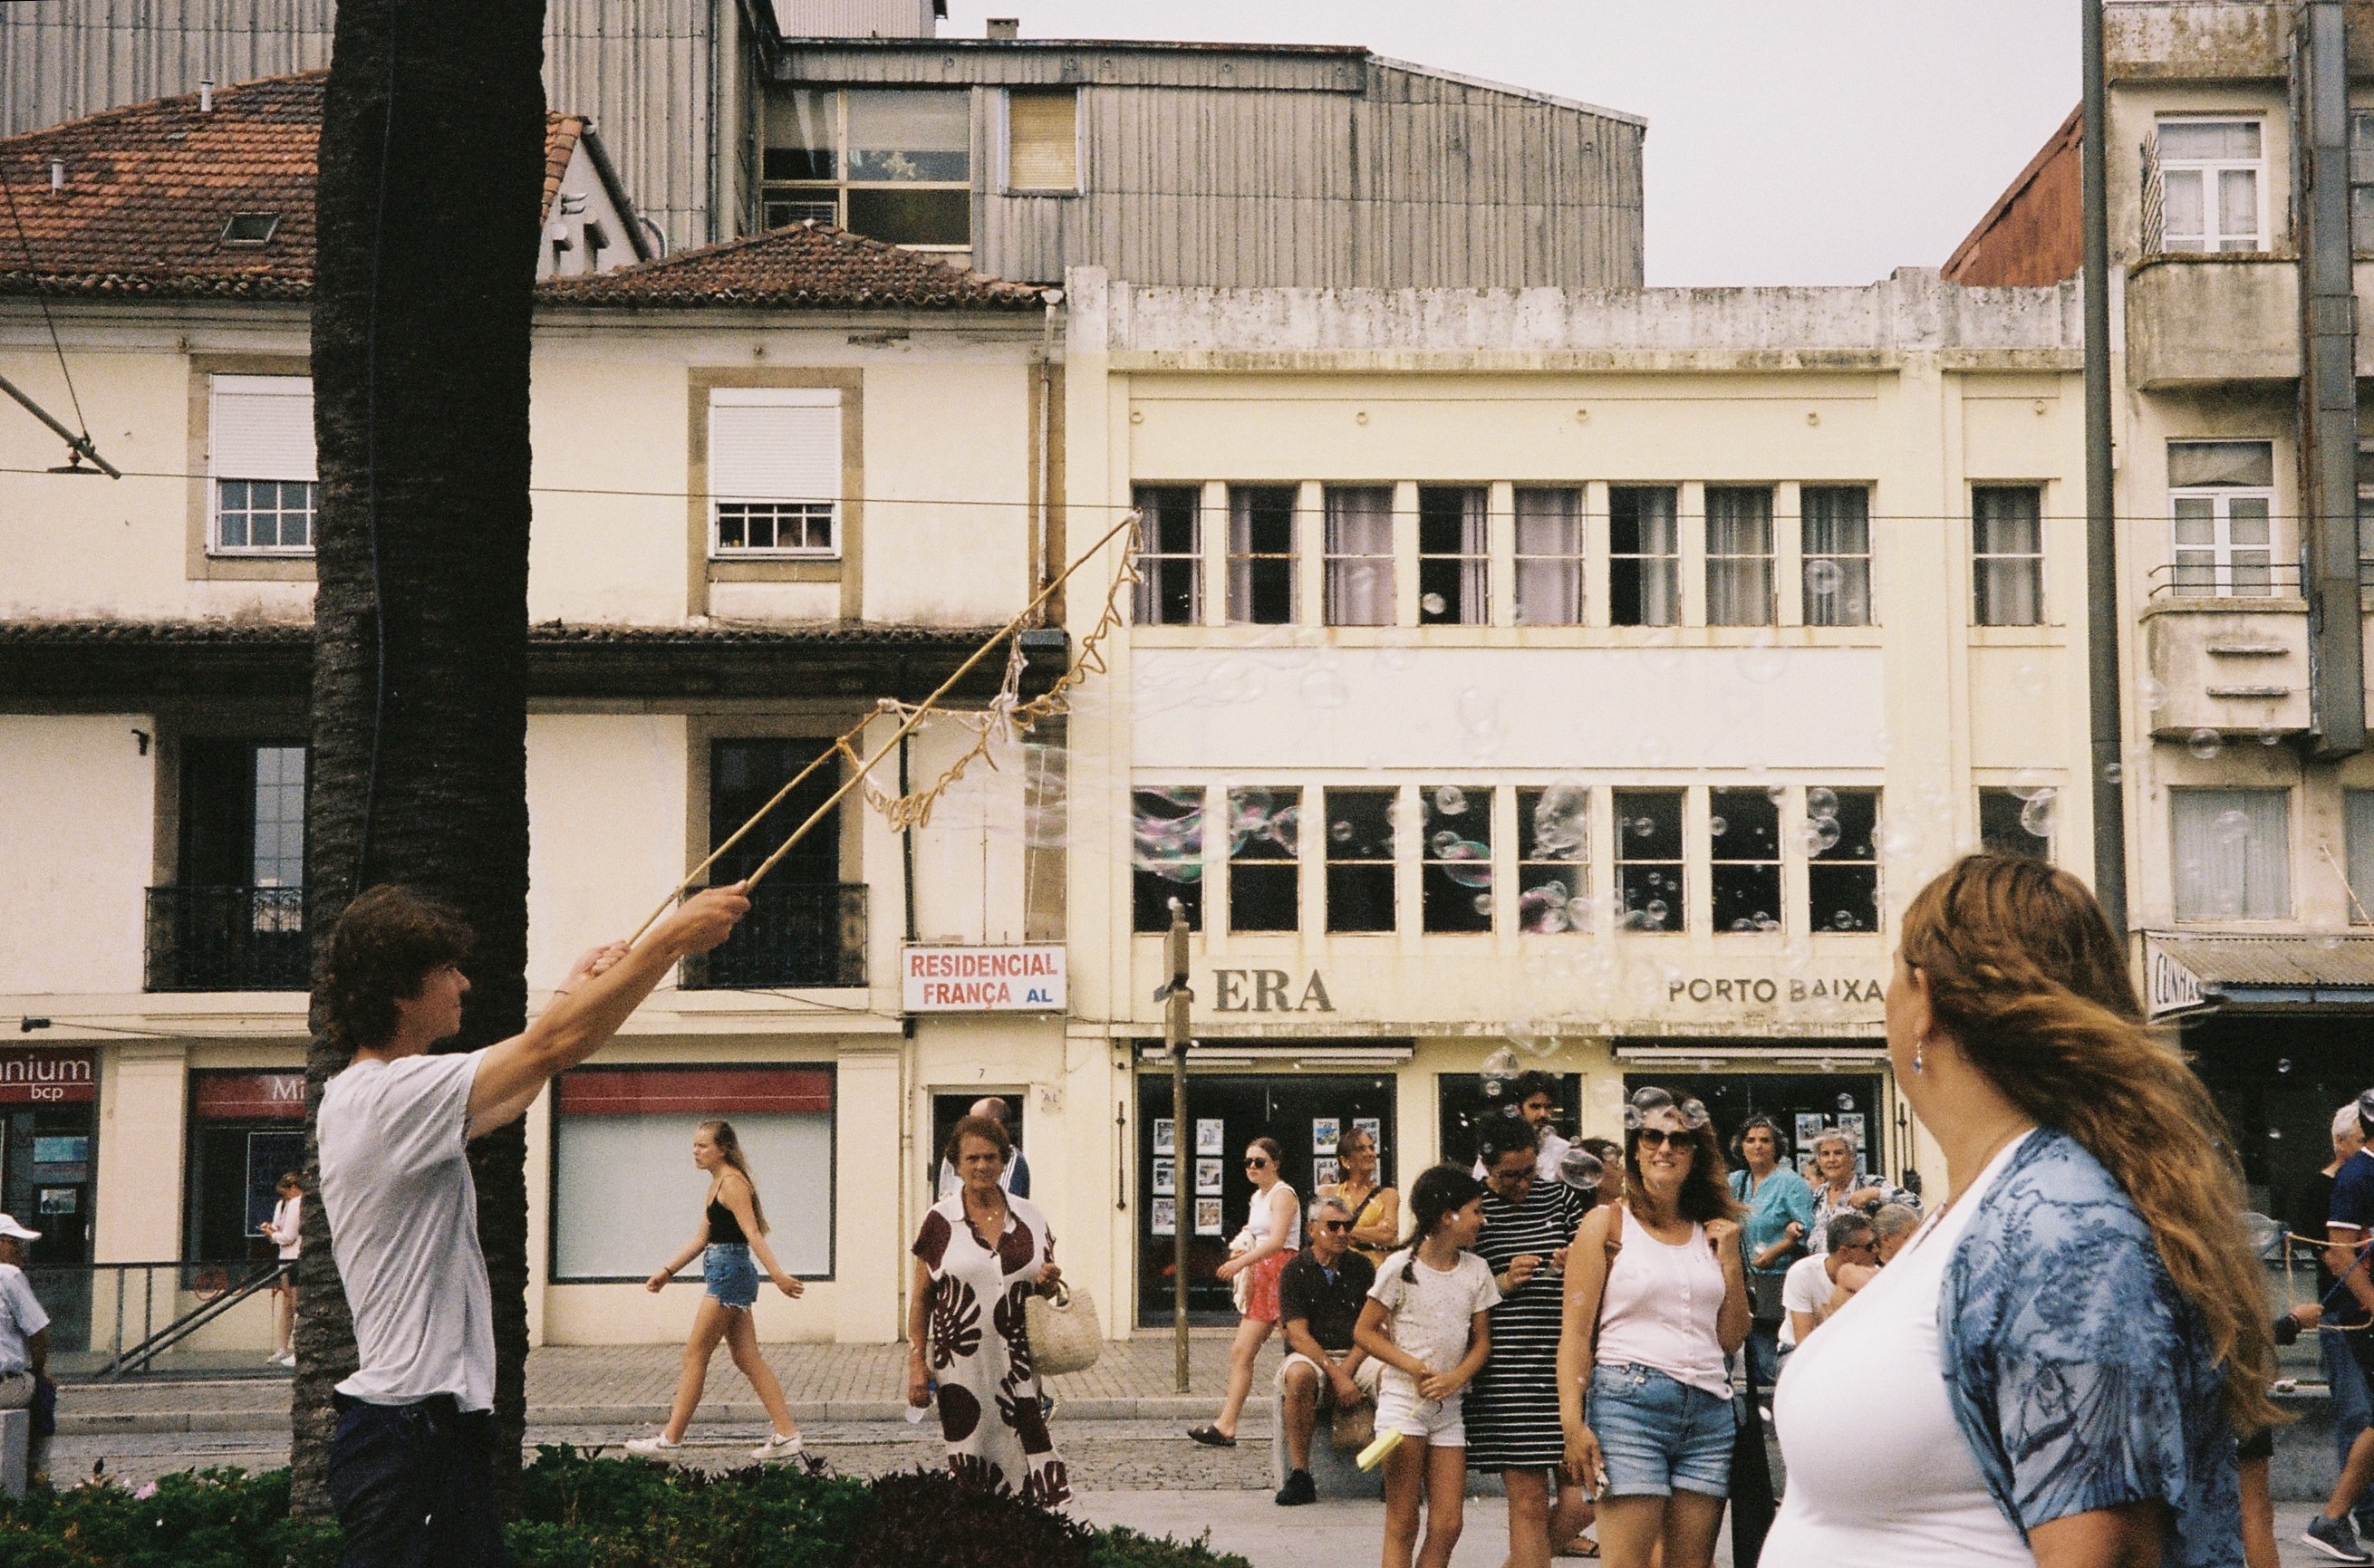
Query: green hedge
579, 1512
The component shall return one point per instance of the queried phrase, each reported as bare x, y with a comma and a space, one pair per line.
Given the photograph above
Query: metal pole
1176, 999
2107, 788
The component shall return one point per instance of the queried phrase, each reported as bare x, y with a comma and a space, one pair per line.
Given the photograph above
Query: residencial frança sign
982, 980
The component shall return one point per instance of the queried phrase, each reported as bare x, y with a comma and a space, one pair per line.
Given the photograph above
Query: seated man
24, 1340
1819, 1285
1319, 1297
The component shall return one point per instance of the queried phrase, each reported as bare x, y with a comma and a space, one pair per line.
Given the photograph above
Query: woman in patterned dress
1511, 1408
980, 1254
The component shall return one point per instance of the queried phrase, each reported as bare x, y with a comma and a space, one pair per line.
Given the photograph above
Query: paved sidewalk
624, 1384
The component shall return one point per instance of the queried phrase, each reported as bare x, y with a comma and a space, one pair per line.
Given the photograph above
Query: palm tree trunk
431, 178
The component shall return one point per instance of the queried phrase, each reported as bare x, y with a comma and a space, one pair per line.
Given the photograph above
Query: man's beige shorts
1365, 1376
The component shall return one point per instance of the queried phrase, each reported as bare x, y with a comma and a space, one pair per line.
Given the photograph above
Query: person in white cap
24, 1338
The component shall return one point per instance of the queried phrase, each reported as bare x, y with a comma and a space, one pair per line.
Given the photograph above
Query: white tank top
1659, 1308
1872, 1381
1258, 1216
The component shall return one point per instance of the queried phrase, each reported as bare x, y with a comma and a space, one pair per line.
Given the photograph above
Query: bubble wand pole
866, 765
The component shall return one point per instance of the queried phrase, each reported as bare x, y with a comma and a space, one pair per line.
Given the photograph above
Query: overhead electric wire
78, 447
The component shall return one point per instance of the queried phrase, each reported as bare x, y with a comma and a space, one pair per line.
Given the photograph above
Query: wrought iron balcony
797, 934
228, 939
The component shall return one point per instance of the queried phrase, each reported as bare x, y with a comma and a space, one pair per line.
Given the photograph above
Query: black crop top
725, 1230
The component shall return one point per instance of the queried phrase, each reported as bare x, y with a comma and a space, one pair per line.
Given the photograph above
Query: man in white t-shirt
410, 1469
24, 1340
1814, 1287
1535, 1098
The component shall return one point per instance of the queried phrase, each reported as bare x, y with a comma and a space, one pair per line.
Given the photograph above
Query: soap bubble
1497, 1068
1846, 1102
2231, 827
1718, 825
1542, 909
1822, 574
2113, 773
1394, 651
1325, 688
1645, 1103
2270, 733
2263, 1234
1579, 912
2031, 782
2284, 1064
1741, 924
1642, 826
2035, 813
1819, 835
1340, 831
1694, 1115
2153, 691
1821, 802
1844, 919
1451, 800
1561, 822
1483, 903
1444, 842
2204, 744
2275, 1132
1580, 1169
1763, 661
1657, 912
1433, 603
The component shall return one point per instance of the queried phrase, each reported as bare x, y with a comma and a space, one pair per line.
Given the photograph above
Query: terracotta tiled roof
150, 187
810, 265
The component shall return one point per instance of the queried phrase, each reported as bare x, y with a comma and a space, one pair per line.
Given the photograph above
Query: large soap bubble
1581, 1169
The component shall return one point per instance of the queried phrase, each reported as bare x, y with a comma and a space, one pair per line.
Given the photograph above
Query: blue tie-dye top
2080, 1375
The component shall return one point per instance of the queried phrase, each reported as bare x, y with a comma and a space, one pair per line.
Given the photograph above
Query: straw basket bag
1064, 1336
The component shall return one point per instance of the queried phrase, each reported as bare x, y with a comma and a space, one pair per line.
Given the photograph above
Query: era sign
1265, 990
982, 980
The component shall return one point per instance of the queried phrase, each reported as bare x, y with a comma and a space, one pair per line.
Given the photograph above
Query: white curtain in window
1474, 544
1549, 557
624, 1193
774, 443
1739, 557
2233, 854
2007, 557
261, 428
1361, 556
2358, 829
1836, 528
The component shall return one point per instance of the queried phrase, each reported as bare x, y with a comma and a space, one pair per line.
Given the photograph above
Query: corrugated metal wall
859, 18
1418, 183
641, 68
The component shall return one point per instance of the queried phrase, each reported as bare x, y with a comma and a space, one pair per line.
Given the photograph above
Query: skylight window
250, 228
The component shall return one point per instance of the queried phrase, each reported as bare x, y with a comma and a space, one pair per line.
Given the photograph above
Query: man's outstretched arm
582, 1020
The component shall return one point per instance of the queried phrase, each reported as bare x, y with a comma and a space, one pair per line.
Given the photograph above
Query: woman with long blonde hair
731, 1246
2060, 1357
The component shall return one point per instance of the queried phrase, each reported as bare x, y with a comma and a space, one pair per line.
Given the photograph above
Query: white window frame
2219, 553
1006, 144
816, 194
235, 469
2208, 170
775, 397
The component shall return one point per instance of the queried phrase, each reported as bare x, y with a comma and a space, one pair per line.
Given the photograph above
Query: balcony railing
228, 939
2239, 578
797, 934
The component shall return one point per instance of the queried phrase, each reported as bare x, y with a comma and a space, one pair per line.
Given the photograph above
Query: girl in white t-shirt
1425, 1321
281, 1232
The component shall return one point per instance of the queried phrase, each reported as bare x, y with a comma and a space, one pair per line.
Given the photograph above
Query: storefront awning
2186, 974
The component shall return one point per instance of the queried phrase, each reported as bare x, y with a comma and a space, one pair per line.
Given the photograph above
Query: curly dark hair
388, 941
1504, 1135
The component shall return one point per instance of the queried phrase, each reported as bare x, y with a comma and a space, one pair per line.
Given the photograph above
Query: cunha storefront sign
982, 980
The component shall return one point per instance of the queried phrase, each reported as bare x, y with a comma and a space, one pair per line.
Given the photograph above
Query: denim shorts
730, 1275
1658, 1436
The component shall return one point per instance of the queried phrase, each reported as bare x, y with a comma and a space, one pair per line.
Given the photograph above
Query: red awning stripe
695, 1091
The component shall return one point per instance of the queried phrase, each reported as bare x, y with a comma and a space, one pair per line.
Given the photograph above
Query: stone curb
808, 1412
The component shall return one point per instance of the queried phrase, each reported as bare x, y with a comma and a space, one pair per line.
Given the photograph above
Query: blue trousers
413, 1486
2352, 1411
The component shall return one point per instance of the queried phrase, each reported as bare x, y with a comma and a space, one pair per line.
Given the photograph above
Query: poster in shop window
1374, 1127
1166, 1179
1211, 1136
1325, 1173
1851, 1123
1809, 1126
1207, 1216
1325, 1130
1166, 1216
1166, 1136
1207, 1178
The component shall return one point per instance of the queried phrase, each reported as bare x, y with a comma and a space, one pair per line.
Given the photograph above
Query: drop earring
1918, 1065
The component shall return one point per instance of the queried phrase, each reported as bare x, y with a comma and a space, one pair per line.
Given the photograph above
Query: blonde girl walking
731, 1244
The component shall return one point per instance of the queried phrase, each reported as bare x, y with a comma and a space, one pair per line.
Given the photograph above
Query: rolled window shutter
1043, 141
261, 428
774, 444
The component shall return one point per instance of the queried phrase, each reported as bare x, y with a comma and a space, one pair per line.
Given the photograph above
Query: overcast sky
1789, 141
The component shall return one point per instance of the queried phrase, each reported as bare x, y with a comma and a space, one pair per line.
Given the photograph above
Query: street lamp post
1176, 998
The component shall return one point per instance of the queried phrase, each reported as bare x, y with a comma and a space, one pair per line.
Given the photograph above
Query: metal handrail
2275, 579
189, 1322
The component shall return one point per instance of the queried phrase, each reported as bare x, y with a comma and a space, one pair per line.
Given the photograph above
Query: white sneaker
287, 1358
651, 1447
778, 1448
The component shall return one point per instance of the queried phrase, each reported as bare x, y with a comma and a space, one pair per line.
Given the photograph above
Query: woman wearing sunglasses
1656, 1301
1273, 1234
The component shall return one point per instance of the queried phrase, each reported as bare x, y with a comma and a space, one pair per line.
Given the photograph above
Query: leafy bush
579, 1512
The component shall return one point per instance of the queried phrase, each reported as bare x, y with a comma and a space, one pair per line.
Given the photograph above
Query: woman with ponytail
2060, 1357
731, 1246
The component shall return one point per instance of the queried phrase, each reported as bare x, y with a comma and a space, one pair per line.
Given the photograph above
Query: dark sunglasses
1657, 1138
1526, 1175
1334, 1224
1255, 1162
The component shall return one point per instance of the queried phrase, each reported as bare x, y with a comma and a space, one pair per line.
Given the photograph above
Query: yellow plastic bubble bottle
1381, 1445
